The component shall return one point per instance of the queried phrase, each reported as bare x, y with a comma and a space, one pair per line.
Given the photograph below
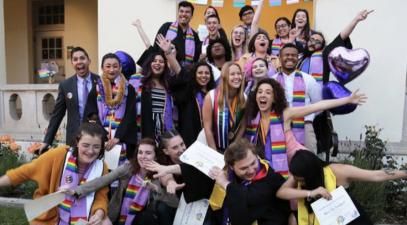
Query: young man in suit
77, 96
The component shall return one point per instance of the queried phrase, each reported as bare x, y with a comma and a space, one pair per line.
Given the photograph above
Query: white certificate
112, 157
38, 206
202, 157
340, 210
192, 213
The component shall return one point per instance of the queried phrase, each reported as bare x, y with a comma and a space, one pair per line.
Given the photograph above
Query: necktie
85, 92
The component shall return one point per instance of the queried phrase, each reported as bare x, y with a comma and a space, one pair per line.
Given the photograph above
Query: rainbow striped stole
172, 33
298, 100
275, 146
135, 198
317, 66
66, 205
276, 46
135, 81
71, 165
221, 122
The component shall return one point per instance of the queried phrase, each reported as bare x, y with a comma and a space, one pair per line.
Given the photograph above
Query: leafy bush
382, 201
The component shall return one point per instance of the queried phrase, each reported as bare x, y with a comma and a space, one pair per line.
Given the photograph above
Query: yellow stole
305, 218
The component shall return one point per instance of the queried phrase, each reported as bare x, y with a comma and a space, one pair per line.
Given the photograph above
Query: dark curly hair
226, 46
148, 73
251, 48
211, 84
279, 103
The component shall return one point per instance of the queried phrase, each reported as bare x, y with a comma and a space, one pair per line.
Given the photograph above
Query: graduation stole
73, 209
226, 120
306, 218
111, 100
189, 42
135, 199
276, 46
273, 140
314, 66
135, 81
298, 100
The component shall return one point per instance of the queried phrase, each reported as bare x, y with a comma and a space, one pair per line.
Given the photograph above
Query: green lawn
12, 216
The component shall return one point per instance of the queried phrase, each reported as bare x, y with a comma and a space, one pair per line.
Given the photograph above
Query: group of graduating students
252, 107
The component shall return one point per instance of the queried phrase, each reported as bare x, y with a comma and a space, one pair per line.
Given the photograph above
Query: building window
51, 48
51, 14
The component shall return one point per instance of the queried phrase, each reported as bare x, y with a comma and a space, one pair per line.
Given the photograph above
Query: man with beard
218, 52
315, 63
185, 39
77, 96
300, 89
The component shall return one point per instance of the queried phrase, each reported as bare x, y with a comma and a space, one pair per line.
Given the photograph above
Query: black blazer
67, 100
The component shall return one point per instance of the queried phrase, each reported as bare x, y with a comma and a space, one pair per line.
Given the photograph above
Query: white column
3, 75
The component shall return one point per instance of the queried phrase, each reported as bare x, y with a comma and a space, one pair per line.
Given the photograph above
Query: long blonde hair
224, 87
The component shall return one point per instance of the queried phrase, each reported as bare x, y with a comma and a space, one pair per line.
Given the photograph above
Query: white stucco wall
115, 18
384, 35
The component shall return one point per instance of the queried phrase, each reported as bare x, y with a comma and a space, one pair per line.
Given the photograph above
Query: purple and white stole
189, 42
298, 100
73, 209
135, 199
274, 143
276, 46
314, 66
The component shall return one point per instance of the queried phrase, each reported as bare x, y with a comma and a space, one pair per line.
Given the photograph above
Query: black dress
189, 113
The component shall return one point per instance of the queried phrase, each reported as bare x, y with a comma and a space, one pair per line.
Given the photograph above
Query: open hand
173, 186
357, 98
156, 167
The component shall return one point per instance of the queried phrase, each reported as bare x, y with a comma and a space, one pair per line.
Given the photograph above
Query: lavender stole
111, 116
189, 42
314, 66
199, 96
298, 100
275, 147
72, 209
134, 200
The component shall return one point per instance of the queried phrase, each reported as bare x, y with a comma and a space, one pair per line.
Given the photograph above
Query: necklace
109, 99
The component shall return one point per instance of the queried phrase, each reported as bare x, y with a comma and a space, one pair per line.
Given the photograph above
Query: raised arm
142, 33
256, 18
362, 15
349, 173
165, 45
297, 112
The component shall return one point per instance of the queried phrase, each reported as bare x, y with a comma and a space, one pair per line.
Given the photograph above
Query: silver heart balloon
347, 64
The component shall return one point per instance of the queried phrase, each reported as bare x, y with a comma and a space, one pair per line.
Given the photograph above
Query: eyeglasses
315, 41
281, 26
